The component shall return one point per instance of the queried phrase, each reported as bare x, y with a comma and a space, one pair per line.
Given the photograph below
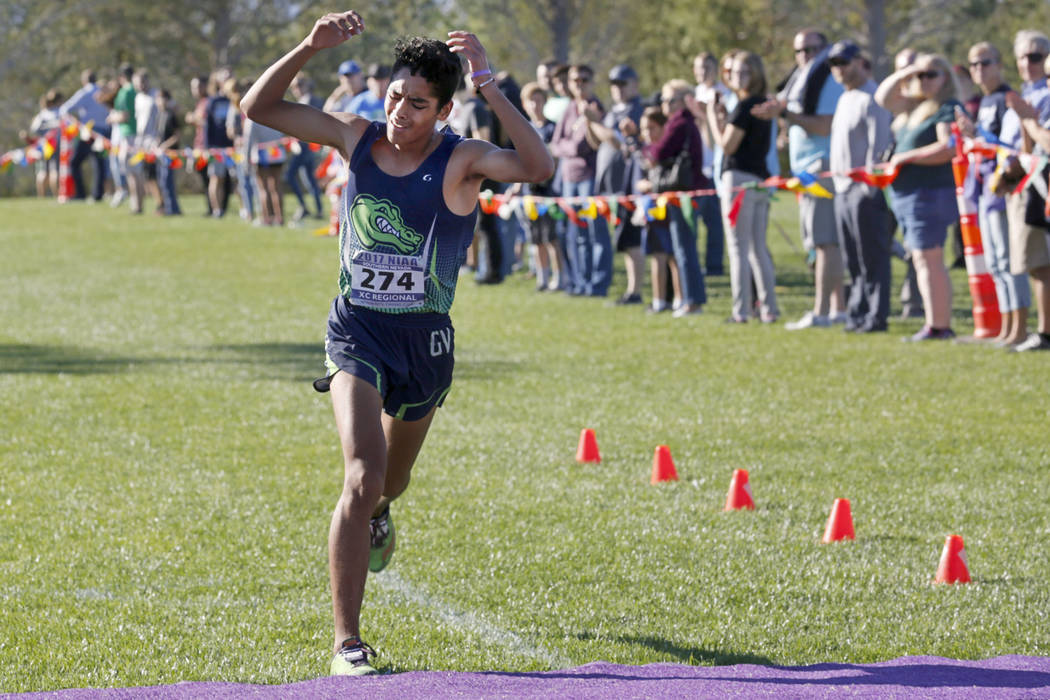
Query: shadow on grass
57, 359
290, 361
685, 654
296, 362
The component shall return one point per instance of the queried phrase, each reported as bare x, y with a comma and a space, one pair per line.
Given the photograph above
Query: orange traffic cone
663, 466
953, 567
739, 492
840, 522
587, 450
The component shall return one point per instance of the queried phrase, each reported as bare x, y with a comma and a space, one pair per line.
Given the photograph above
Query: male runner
408, 213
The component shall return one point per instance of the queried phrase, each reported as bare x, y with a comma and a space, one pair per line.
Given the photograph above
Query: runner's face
411, 108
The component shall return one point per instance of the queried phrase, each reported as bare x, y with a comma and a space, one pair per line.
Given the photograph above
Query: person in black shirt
744, 139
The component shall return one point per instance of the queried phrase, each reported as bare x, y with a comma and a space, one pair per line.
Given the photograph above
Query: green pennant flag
686, 204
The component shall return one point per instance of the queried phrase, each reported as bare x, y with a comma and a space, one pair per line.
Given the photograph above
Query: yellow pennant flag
817, 190
590, 211
659, 212
529, 204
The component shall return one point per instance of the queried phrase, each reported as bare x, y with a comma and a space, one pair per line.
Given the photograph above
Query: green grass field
167, 474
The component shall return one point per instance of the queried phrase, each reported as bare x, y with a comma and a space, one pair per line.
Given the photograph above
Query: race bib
386, 281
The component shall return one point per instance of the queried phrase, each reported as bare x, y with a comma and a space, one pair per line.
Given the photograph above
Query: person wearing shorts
407, 216
922, 98
1029, 252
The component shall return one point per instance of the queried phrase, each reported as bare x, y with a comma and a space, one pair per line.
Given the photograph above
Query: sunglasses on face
1033, 57
807, 50
928, 75
839, 62
580, 79
983, 62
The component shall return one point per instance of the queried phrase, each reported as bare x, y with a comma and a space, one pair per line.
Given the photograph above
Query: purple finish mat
923, 676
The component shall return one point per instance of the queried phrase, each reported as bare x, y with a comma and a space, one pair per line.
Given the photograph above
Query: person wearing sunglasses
744, 139
1012, 290
587, 243
1026, 122
806, 105
923, 98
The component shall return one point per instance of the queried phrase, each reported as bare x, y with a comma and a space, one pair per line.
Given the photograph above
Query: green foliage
45, 43
167, 474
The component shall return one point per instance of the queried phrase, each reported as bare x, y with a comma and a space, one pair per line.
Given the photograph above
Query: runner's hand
335, 28
470, 47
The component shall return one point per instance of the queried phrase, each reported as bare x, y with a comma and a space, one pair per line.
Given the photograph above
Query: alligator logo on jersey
378, 222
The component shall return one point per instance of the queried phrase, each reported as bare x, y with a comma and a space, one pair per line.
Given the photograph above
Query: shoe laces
379, 528
354, 651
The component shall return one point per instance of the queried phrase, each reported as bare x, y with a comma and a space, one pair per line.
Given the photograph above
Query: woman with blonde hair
745, 140
923, 97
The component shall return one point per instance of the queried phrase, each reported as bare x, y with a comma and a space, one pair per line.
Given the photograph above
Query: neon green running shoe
353, 659
382, 532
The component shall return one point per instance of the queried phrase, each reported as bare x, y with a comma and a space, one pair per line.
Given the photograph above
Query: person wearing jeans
588, 245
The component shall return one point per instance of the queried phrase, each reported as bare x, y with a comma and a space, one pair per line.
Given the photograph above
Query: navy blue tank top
400, 248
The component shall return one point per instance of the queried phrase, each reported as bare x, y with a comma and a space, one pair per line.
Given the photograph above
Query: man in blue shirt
84, 107
806, 105
369, 103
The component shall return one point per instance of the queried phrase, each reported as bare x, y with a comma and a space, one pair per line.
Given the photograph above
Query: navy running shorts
407, 357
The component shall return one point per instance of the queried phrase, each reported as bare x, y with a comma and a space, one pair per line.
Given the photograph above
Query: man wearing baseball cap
351, 84
860, 132
612, 173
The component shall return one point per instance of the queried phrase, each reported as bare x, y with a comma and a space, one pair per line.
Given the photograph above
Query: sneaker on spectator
840, 317
687, 310
628, 299
930, 333
658, 306
1034, 341
808, 320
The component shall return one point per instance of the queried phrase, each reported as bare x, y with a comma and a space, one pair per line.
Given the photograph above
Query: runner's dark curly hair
431, 59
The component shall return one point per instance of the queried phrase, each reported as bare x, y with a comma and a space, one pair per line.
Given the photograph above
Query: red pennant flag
569, 211
876, 178
734, 209
322, 169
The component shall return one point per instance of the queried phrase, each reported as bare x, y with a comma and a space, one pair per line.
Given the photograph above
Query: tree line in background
46, 43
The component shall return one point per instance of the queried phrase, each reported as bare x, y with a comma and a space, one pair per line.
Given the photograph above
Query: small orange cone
840, 522
739, 492
663, 466
953, 567
587, 451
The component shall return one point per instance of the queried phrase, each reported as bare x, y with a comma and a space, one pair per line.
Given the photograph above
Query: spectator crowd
719, 137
